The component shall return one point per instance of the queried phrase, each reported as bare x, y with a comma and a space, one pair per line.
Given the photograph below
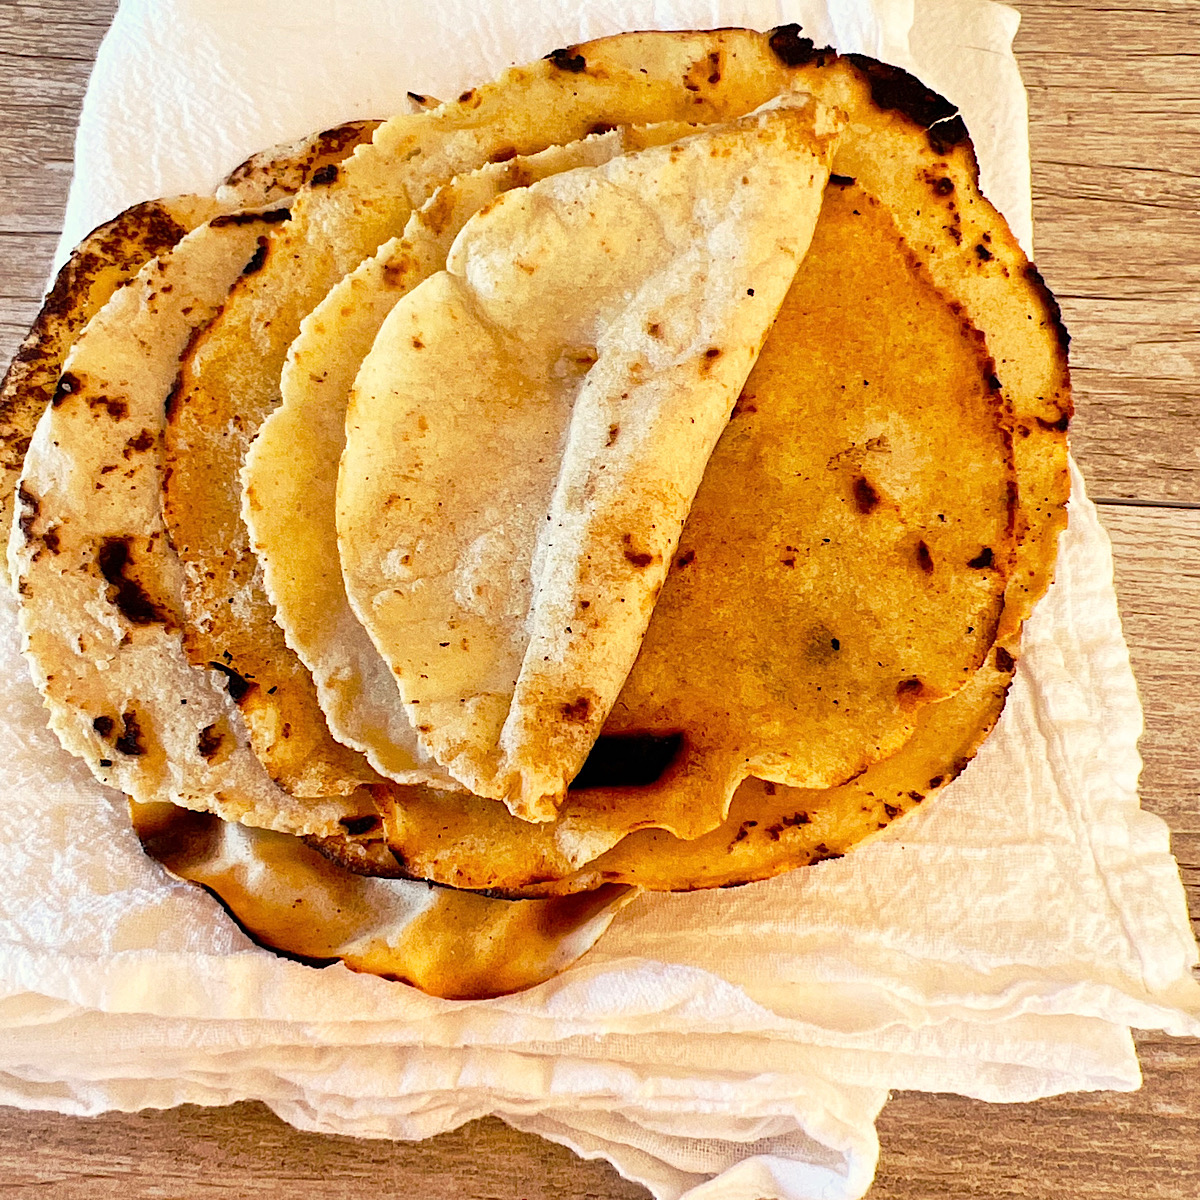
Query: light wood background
1115, 114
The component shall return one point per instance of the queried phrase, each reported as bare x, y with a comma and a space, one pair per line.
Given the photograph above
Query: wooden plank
1114, 93
231, 1153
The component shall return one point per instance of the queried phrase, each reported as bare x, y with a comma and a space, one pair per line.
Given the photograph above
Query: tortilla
231, 378
290, 474
859, 506
288, 898
113, 254
524, 439
98, 583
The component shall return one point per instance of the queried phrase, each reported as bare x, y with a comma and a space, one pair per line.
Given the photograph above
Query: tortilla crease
859, 505
112, 254
290, 474
98, 584
288, 898
516, 473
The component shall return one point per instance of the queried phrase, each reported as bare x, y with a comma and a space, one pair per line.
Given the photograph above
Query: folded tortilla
527, 434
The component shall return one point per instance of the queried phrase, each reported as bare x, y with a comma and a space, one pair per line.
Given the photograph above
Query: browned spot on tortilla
909, 692
139, 444
116, 408
924, 558
577, 710
68, 385
127, 594
131, 741
31, 504
866, 498
613, 432
983, 559
1060, 426
257, 258
709, 357
324, 175
103, 726
686, 558
209, 742
1005, 661
794, 50
250, 218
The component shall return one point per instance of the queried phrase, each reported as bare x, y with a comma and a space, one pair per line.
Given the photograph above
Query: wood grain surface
1114, 91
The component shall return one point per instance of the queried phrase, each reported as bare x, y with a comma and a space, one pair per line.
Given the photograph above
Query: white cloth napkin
736, 1043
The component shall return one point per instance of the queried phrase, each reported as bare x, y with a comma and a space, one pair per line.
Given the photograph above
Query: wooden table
1114, 91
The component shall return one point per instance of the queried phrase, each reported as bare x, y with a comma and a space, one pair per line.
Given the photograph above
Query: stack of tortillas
634, 472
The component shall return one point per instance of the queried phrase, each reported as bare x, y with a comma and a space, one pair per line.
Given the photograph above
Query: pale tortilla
97, 580
525, 438
290, 474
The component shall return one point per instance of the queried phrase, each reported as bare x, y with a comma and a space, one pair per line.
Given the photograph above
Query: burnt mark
238, 686
1059, 426
909, 691
577, 710
866, 498
945, 135
983, 253
274, 217
793, 49
639, 559
51, 541
324, 175
127, 594
686, 558
257, 258
1005, 661
982, 560
708, 358
116, 408
567, 59
139, 444
68, 385
896, 89
943, 186
822, 853
614, 431
1047, 297
892, 811
30, 506
924, 558
131, 741
209, 743
104, 726
357, 826
628, 761
936, 782
842, 181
